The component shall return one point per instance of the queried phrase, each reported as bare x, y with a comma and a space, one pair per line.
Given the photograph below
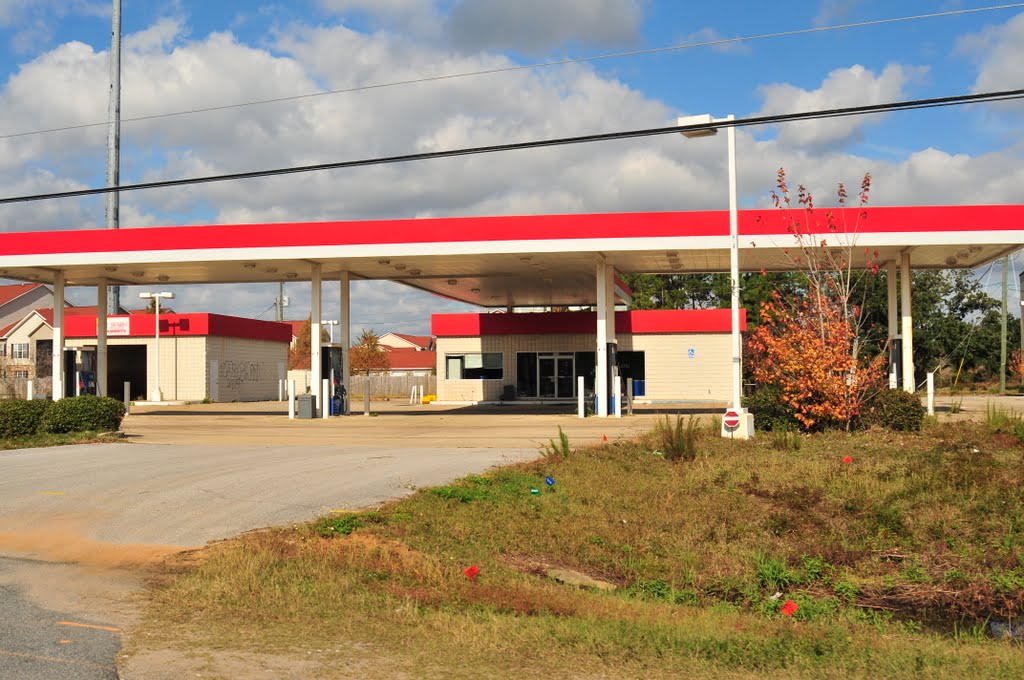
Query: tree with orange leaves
810, 347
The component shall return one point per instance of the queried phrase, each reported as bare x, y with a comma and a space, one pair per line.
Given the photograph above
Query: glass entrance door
555, 373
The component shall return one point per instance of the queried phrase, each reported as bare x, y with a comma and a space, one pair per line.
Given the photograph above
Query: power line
909, 105
525, 67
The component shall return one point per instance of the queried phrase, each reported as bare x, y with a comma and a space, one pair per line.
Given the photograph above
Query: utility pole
1002, 348
114, 143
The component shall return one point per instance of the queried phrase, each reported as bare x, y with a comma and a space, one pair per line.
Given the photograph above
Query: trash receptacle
305, 406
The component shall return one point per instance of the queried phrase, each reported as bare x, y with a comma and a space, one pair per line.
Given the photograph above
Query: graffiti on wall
234, 373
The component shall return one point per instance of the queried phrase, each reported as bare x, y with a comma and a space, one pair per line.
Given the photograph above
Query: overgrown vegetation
894, 548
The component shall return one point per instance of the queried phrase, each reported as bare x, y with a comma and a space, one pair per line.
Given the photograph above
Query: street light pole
745, 426
155, 394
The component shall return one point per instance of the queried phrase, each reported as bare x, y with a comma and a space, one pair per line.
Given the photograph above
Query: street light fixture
155, 394
331, 323
745, 428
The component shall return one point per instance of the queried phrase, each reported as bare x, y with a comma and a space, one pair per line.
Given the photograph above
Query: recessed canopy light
138, 274
109, 269
400, 267
414, 272
383, 261
452, 282
163, 277
474, 291
249, 265
271, 270
291, 275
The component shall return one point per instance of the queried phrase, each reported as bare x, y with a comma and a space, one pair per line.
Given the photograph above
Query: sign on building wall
118, 326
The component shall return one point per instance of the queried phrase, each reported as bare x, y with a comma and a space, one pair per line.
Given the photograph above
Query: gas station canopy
511, 261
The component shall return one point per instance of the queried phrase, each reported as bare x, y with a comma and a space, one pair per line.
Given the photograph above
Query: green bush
894, 410
770, 411
21, 417
77, 414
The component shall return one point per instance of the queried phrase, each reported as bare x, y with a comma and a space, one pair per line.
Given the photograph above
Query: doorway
556, 376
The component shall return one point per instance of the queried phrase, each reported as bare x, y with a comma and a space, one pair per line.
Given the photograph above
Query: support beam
316, 309
58, 336
345, 333
601, 368
907, 326
101, 338
893, 312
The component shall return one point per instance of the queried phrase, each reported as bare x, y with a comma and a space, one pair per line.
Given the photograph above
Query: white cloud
538, 25
710, 35
165, 71
34, 19
853, 86
835, 11
1000, 53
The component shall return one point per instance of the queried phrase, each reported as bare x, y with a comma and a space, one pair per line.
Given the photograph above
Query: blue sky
190, 54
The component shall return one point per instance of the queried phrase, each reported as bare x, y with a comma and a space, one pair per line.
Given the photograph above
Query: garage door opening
127, 364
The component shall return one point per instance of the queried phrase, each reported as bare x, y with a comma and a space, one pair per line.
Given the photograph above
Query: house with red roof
17, 300
419, 343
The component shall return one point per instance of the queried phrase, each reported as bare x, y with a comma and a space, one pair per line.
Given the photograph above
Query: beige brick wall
182, 365
671, 374
247, 370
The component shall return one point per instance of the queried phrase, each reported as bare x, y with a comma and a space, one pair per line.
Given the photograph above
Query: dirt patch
173, 664
57, 542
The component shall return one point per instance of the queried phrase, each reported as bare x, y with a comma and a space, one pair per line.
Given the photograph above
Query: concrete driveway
80, 524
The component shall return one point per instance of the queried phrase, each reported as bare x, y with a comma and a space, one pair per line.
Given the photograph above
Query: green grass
896, 561
42, 440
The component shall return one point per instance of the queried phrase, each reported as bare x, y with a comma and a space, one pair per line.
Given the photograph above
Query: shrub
21, 417
894, 410
77, 414
770, 411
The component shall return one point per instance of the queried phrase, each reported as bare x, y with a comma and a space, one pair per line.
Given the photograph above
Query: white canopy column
316, 312
57, 358
605, 334
893, 312
345, 333
101, 338
908, 324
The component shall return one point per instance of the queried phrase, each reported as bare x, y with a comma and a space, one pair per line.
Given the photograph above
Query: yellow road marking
88, 625
51, 493
21, 655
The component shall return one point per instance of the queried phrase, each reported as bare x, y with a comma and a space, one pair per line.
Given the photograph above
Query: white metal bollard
280, 389
931, 394
291, 400
326, 401
78, 384
366, 397
581, 407
421, 394
618, 396
412, 395
629, 396
127, 396
30, 391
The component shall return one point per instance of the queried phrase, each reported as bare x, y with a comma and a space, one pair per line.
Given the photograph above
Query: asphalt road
78, 524
40, 644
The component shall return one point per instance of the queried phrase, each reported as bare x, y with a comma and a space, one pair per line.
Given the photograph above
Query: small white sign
118, 325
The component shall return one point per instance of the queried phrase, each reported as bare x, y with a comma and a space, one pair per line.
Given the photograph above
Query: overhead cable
909, 105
